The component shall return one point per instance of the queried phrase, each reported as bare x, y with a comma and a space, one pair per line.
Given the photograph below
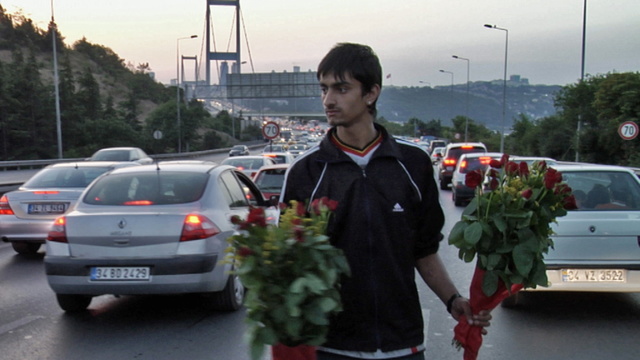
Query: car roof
452, 145
91, 164
590, 167
481, 154
120, 148
203, 167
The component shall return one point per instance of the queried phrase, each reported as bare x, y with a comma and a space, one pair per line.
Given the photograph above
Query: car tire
231, 298
73, 303
443, 185
26, 248
456, 200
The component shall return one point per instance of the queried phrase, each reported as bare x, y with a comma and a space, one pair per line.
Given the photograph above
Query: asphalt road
548, 326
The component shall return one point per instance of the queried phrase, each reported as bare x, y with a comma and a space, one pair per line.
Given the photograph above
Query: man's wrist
451, 300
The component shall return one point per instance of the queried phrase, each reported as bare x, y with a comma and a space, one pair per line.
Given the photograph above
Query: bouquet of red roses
506, 226
292, 274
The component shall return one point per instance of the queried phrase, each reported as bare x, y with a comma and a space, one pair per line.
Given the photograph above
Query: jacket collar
330, 153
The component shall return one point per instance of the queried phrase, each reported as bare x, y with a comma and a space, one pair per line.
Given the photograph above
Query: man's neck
357, 136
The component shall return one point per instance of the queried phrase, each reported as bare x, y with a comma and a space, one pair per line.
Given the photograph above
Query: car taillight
5, 209
58, 232
197, 227
485, 160
138, 202
46, 192
449, 162
463, 164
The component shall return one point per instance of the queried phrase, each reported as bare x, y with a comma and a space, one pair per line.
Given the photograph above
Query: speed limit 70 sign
270, 130
628, 130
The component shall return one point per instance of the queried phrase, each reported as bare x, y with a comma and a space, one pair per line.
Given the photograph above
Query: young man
388, 220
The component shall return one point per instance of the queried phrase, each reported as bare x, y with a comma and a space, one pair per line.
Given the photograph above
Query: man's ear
373, 94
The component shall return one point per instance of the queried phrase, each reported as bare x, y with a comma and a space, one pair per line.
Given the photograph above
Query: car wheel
26, 248
231, 297
443, 185
73, 303
455, 199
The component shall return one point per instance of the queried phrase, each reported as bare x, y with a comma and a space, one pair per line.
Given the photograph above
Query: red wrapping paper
300, 352
470, 337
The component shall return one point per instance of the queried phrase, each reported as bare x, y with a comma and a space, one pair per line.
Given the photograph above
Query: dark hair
358, 61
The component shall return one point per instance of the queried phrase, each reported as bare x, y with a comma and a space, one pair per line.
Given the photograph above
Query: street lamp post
178, 88
56, 82
584, 37
504, 86
466, 123
451, 91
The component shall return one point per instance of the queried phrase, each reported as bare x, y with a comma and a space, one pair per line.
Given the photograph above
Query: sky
414, 39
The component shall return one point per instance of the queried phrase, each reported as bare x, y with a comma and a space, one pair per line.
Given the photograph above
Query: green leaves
508, 228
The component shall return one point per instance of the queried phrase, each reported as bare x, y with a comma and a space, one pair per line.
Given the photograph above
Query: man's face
343, 101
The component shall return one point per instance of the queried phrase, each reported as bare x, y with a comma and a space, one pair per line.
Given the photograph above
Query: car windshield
147, 188
604, 190
249, 164
270, 180
273, 148
111, 155
475, 163
238, 147
65, 177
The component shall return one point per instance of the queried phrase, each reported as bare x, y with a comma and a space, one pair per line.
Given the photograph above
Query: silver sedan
152, 229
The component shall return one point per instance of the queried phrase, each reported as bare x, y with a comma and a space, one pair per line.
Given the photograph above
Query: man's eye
343, 90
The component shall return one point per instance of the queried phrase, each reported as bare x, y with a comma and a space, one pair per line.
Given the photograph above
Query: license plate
49, 208
594, 275
119, 273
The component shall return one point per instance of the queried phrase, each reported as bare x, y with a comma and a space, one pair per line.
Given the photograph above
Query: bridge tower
225, 56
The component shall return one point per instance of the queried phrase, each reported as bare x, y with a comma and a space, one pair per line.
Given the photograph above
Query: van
436, 143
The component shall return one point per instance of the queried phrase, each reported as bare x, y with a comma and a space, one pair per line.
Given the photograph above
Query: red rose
300, 210
493, 184
245, 251
298, 233
511, 168
473, 179
569, 203
236, 220
332, 205
527, 194
257, 217
562, 189
523, 169
551, 178
496, 164
543, 165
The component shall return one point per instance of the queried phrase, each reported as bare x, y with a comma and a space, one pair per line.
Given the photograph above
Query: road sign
628, 130
270, 130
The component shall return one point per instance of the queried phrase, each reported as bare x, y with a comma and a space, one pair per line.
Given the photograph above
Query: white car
152, 229
249, 164
596, 247
26, 214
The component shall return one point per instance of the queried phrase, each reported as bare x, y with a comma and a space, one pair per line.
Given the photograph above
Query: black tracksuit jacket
388, 216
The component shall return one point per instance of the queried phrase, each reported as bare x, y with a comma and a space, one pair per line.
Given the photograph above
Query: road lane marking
18, 323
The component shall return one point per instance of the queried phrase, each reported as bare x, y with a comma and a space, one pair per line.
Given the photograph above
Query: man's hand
461, 306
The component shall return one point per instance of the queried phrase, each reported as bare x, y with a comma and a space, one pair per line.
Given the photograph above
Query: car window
270, 180
232, 190
111, 155
458, 151
604, 190
162, 188
65, 177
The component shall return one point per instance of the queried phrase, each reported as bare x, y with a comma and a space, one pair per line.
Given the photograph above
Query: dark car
451, 155
239, 150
